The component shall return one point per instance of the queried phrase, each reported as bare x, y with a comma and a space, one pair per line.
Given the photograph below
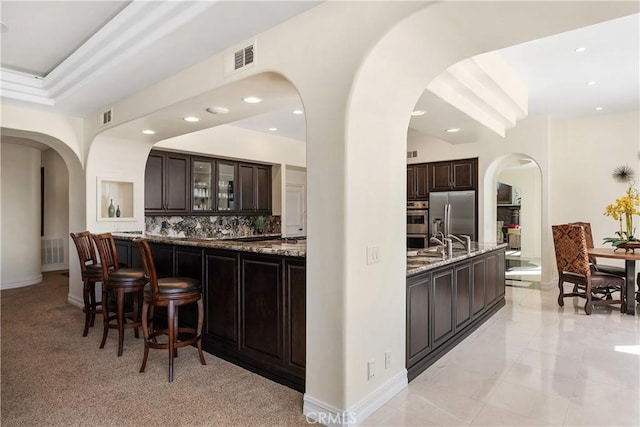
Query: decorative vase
629, 223
112, 209
118, 212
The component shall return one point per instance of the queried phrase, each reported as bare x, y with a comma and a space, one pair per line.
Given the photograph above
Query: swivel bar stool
119, 281
91, 273
171, 292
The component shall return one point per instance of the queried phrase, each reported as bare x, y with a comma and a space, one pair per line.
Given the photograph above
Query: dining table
630, 257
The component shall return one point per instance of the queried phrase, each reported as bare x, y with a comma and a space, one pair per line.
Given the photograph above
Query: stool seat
93, 270
127, 275
174, 285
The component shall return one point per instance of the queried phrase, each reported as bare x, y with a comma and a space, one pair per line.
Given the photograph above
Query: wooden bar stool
91, 272
171, 292
120, 281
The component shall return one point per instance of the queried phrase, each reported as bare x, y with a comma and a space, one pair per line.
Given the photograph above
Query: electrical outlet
371, 369
373, 254
387, 359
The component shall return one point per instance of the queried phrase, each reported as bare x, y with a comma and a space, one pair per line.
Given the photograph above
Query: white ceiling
88, 66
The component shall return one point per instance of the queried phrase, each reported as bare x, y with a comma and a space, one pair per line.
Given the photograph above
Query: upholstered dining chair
172, 293
91, 273
602, 268
572, 260
118, 281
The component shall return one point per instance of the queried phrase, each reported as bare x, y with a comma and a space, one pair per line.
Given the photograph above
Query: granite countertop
276, 246
427, 259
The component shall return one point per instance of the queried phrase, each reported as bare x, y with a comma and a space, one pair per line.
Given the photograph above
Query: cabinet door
226, 186
464, 174
479, 279
463, 294
492, 278
162, 259
123, 250
246, 180
500, 273
440, 176
411, 183
177, 183
154, 183
221, 284
295, 320
263, 188
421, 186
443, 309
188, 264
202, 192
261, 308
419, 342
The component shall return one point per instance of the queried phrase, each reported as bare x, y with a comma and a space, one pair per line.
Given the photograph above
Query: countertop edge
483, 249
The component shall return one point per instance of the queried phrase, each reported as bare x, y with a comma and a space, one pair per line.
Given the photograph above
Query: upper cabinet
167, 183
183, 184
417, 182
255, 187
453, 175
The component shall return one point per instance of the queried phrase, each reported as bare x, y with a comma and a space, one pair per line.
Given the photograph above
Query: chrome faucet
466, 243
444, 244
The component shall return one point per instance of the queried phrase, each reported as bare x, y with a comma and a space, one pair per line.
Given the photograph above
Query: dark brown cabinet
446, 304
255, 188
453, 175
417, 182
222, 286
295, 319
183, 184
167, 183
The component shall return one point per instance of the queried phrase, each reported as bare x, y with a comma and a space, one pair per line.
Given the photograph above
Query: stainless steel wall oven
417, 224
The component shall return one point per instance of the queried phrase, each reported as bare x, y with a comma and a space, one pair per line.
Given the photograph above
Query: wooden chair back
86, 249
148, 264
570, 242
108, 254
588, 236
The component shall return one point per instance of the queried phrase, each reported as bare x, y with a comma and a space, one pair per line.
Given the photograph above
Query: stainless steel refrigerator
453, 212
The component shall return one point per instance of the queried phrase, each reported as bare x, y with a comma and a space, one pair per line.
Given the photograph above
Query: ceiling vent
412, 154
240, 58
107, 117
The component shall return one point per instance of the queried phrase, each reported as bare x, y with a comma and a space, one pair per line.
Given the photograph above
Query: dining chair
572, 260
172, 293
602, 268
120, 282
91, 273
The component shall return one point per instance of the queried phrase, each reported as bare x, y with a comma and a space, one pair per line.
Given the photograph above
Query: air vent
240, 58
107, 117
243, 57
412, 154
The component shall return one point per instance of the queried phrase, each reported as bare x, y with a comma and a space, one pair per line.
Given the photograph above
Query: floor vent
107, 117
54, 253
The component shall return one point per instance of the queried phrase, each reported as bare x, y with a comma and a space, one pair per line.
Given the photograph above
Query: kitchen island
449, 297
254, 294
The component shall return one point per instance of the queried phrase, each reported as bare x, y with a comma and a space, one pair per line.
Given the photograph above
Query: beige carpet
51, 375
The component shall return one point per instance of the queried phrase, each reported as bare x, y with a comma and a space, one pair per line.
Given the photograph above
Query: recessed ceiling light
454, 130
218, 110
580, 49
191, 119
591, 83
418, 113
252, 99
599, 108
297, 112
273, 129
149, 132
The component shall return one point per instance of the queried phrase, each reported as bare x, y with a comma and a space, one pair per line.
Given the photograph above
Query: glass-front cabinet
203, 190
226, 186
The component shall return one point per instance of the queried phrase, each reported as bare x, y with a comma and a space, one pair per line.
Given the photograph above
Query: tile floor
533, 363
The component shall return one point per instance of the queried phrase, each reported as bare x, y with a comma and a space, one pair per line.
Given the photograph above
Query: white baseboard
547, 286
320, 412
75, 301
22, 283
54, 267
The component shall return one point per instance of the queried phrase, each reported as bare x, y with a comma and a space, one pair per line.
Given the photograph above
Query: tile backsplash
208, 226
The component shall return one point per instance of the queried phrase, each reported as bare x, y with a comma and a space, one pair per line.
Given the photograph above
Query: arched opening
42, 173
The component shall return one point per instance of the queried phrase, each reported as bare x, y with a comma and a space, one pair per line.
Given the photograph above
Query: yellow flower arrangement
624, 207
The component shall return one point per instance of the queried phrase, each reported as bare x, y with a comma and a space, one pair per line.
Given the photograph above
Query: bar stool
91, 272
171, 292
120, 281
